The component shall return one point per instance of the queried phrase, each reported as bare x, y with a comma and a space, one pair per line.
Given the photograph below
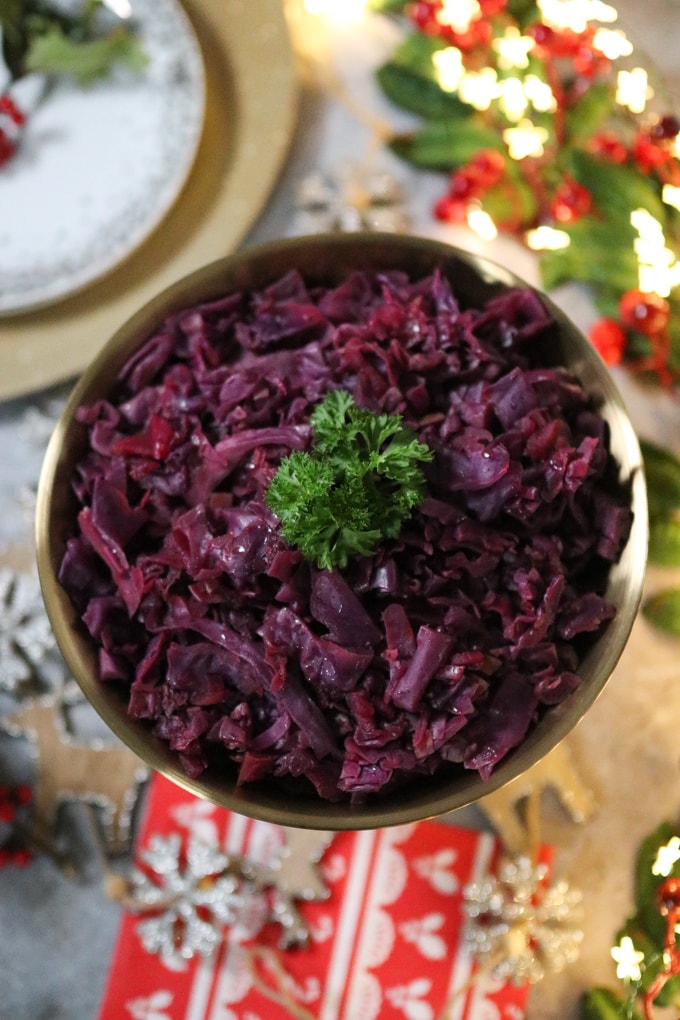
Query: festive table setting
140, 142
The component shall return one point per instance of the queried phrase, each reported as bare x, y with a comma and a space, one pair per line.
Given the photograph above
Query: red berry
463, 184
23, 794
669, 895
609, 146
487, 167
7, 811
21, 858
450, 210
571, 201
7, 148
609, 340
490, 8
646, 312
10, 109
423, 14
647, 153
589, 62
666, 128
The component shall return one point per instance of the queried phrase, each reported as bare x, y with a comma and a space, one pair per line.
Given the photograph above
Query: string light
545, 238
613, 43
448, 66
627, 959
482, 224
666, 857
513, 49
513, 101
480, 88
459, 14
539, 94
671, 195
658, 269
633, 89
575, 14
527, 139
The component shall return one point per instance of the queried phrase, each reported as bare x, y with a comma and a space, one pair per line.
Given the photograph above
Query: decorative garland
647, 954
543, 124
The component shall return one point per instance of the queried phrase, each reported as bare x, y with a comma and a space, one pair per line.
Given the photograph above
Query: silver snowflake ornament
26, 636
521, 924
187, 898
350, 200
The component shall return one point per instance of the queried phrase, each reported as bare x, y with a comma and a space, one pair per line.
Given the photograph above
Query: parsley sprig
355, 488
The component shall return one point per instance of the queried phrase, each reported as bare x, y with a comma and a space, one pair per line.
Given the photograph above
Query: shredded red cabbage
441, 650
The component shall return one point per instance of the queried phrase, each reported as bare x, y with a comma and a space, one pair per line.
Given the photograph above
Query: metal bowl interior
326, 260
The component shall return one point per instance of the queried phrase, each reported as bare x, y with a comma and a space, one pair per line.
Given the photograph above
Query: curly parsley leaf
356, 487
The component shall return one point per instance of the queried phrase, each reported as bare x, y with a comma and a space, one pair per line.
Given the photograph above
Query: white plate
99, 167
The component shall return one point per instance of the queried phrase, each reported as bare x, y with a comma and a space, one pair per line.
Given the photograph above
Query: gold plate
250, 115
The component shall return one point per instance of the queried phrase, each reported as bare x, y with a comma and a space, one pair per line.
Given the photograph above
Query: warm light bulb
458, 14
546, 238
513, 49
527, 139
482, 224
666, 857
513, 101
633, 89
612, 43
448, 65
479, 88
575, 14
671, 195
627, 959
658, 269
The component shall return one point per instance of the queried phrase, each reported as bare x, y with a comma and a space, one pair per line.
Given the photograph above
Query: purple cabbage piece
442, 650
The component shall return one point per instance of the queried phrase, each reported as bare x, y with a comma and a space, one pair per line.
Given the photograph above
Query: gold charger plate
250, 115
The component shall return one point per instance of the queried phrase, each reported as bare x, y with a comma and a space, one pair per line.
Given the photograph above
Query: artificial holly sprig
41, 38
647, 953
526, 110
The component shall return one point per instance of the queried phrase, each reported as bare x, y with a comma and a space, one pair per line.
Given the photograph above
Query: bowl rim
411, 803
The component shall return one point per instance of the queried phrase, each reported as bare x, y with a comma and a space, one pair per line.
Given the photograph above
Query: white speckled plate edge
251, 111
99, 167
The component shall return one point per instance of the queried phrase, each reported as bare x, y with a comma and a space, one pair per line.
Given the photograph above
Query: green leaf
54, 53
599, 253
647, 884
14, 36
605, 1004
664, 543
388, 6
585, 118
663, 611
413, 92
617, 189
662, 474
442, 145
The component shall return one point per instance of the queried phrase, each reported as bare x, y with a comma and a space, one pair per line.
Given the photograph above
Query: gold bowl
327, 260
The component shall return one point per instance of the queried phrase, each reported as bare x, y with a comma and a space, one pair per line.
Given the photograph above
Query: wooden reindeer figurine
557, 771
104, 775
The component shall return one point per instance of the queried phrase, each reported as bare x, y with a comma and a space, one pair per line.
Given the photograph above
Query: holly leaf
443, 145
663, 610
600, 253
664, 543
662, 474
647, 884
54, 53
14, 40
585, 118
605, 1004
617, 189
388, 6
409, 80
